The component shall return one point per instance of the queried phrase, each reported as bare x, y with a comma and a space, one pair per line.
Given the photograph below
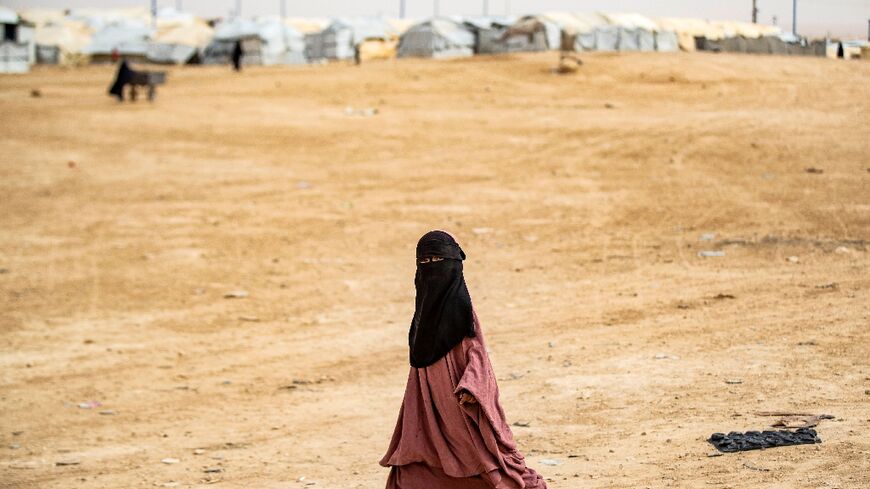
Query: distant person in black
237, 56
841, 53
123, 78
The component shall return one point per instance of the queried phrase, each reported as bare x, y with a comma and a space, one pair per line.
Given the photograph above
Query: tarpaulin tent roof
42, 16
575, 23
196, 34
364, 28
97, 19
8, 16
307, 25
489, 22
438, 37
68, 35
632, 21
693, 27
745, 29
265, 28
126, 37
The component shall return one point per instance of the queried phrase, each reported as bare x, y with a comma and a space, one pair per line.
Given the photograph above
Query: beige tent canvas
62, 42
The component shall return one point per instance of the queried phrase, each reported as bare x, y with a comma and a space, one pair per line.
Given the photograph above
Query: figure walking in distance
237, 55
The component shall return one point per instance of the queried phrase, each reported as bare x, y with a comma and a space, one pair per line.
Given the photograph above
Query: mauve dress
438, 444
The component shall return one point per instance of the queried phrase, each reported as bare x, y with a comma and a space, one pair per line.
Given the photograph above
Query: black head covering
443, 316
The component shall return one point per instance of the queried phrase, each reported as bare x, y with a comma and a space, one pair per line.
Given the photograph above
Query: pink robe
439, 444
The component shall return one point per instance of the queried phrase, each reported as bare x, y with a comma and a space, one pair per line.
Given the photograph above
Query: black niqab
443, 314
124, 77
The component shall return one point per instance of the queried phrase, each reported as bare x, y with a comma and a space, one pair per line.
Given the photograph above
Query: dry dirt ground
582, 201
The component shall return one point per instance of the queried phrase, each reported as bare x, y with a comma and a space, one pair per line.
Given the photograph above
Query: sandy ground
582, 201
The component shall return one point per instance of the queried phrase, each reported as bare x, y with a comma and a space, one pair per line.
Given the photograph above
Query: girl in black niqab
443, 314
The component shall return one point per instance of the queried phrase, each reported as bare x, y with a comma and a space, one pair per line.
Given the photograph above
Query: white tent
437, 38
17, 46
180, 38
265, 41
62, 42
129, 38
100, 18
340, 38
489, 33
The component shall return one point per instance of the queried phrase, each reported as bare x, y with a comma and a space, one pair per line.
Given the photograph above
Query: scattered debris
64, 463
733, 381
108, 412
756, 440
198, 451
664, 356
481, 230
364, 112
4, 270
832, 286
711, 254
793, 259
721, 296
795, 420
522, 424
815, 171
14, 446
755, 467
707, 237
89, 404
170, 484
842, 250
249, 319
213, 470
549, 461
236, 294
800, 421
807, 343
715, 454
569, 64
36, 93
71, 164
170, 461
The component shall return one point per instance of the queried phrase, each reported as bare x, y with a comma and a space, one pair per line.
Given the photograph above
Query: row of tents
94, 35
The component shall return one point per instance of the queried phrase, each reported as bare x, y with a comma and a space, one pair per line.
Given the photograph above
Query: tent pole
153, 13
794, 17
754, 11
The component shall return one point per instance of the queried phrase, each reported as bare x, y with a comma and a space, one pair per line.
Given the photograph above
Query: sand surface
582, 201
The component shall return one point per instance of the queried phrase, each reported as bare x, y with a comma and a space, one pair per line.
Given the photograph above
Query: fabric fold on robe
436, 440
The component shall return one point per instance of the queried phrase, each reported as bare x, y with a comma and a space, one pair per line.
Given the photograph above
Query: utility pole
401, 9
754, 11
153, 13
794, 17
